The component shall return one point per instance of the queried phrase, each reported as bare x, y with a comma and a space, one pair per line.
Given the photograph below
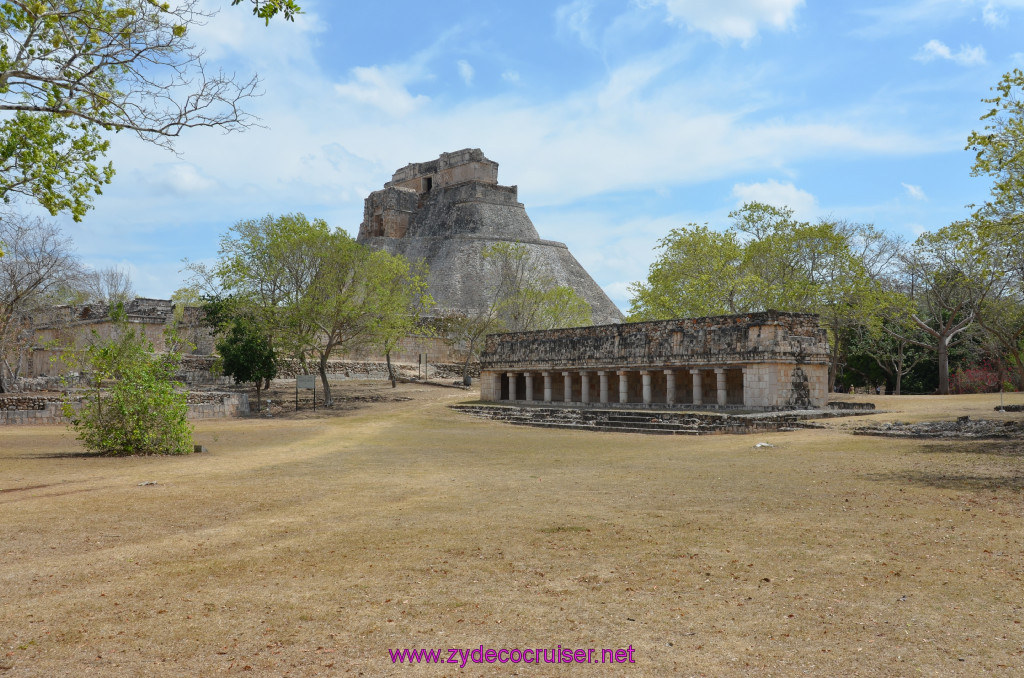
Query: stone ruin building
446, 212
759, 361
72, 326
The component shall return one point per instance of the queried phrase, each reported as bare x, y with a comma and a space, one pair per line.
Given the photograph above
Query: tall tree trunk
466, 379
943, 351
328, 399
899, 370
259, 382
391, 371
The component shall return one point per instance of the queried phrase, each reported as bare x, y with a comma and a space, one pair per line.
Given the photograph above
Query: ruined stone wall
386, 213
766, 360
36, 410
469, 164
735, 339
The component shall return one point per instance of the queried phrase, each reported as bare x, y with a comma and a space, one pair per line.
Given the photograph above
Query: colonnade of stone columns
625, 378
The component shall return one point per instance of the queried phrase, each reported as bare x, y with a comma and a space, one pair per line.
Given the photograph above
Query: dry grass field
310, 546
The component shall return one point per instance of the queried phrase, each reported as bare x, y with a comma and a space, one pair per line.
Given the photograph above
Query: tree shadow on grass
87, 455
997, 448
1013, 481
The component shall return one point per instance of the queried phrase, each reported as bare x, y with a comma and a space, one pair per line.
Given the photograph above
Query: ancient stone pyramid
447, 211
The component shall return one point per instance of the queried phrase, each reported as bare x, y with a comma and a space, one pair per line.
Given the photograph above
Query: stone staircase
642, 421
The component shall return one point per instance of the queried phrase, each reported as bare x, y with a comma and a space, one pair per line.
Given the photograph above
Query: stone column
584, 387
511, 387
623, 386
567, 386
529, 385
720, 375
646, 377
603, 376
547, 386
670, 387
698, 388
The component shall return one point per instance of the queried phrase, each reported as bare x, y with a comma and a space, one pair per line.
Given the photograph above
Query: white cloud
730, 19
180, 178
803, 204
574, 19
936, 49
466, 71
384, 87
903, 17
633, 128
991, 15
510, 76
915, 192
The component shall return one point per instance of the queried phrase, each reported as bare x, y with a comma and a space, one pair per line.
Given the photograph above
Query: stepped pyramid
447, 211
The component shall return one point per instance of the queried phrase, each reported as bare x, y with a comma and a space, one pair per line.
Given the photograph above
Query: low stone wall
217, 405
846, 405
50, 413
36, 410
20, 401
626, 421
195, 367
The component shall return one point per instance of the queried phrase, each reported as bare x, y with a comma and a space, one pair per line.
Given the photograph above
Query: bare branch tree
70, 71
38, 272
111, 286
124, 65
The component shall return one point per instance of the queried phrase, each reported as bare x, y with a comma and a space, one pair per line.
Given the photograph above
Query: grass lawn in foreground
310, 546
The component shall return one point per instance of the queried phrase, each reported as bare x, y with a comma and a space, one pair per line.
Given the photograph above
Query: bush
133, 407
981, 378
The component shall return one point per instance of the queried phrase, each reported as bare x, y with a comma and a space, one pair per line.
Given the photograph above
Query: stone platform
651, 421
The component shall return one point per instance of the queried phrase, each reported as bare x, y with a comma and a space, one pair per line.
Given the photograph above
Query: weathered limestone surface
660, 423
34, 410
447, 211
757, 360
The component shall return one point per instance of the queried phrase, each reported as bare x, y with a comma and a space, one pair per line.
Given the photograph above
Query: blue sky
617, 119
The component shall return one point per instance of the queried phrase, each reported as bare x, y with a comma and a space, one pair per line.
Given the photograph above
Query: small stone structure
74, 327
757, 361
446, 212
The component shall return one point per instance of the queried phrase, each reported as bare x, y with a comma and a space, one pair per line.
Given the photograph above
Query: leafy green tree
264, 268
994, 233
520, 296
946, 289
523, 297
247, 355
313, 290
998, 155
268, 9
133, 406
467, 330
352, 302
699, 272
72, 71
768, 260
401, 300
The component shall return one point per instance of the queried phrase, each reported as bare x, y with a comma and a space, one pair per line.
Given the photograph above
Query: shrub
133, 407
981, 378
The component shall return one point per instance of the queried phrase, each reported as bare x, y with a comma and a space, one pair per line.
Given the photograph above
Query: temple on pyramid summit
447, 211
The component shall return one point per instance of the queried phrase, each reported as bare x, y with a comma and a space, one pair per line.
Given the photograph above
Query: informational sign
305, 382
